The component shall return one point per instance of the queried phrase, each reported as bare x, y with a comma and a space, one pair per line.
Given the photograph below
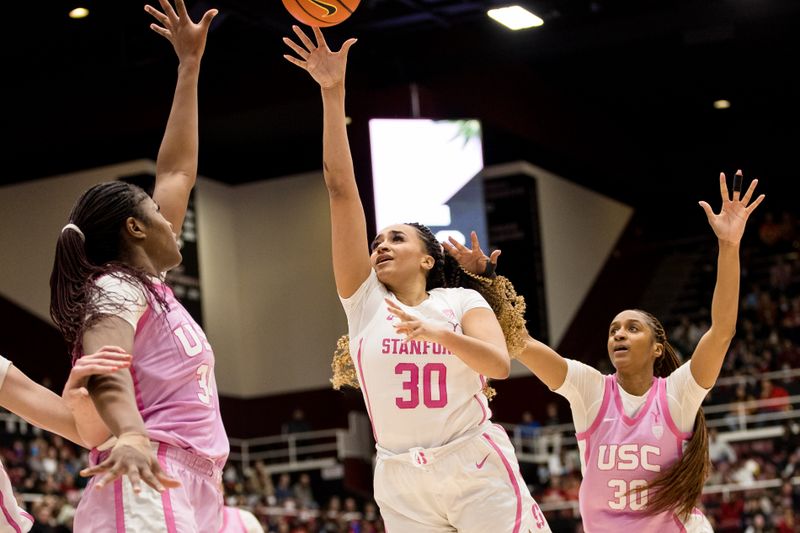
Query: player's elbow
502, 368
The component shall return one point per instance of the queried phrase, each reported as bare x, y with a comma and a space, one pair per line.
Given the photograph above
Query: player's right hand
472, 260
132, 456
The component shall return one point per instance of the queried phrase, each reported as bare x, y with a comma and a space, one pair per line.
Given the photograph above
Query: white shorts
471, 485
13, 519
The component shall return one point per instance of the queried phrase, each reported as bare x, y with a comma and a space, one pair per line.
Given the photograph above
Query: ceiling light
721, 104
515, 17
79, 13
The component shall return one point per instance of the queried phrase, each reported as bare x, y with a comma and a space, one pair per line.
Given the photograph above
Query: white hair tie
75, 229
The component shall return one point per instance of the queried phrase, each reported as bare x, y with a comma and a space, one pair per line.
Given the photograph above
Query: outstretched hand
472, 260
412, 327
188, 38
729, 224
132, 456
325, 66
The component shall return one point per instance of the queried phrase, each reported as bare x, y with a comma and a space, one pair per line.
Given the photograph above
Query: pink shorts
195, 506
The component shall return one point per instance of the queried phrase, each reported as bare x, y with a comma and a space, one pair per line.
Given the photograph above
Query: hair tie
75, 229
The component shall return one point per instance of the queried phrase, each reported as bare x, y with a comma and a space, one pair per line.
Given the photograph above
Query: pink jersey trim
662, 394
607, 392
478, 399
366, 393
9, 518
144, 317
119, 506
169, 516
681, 527
651, 395
512, 477
137, 390
29, 516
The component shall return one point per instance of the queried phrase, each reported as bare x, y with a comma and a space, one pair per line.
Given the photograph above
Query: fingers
161, 31
152, 481
752, 207
294, 61
182, 13
737, 184
457, 245
168, 11
96, 369
97, 469
723, 188
209, 15
299, 50
319, 37
494, 256
396, 309
304, 39
346, 46
158, 15
112, 474
749, 193
109, 350
708, 210
136, 480
167, 481
474, 238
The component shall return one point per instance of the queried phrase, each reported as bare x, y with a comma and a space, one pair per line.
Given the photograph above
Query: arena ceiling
614, 94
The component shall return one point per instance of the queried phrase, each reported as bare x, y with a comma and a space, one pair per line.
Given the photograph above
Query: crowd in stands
44, 468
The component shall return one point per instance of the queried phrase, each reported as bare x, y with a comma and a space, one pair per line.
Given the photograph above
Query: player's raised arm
729, 227
351, 264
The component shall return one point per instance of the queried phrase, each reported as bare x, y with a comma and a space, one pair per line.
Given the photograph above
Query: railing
292, 451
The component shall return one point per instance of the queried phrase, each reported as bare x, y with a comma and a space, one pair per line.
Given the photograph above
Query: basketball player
71, 417
641, 432
422, 348
107, 287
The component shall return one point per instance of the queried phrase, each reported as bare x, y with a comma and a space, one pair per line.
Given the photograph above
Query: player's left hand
472, 260
412, 327
729, 224
188, 38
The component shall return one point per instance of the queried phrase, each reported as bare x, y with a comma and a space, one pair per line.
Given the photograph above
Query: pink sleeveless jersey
173, 376
624, 453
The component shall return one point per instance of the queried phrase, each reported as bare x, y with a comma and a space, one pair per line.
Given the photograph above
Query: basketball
321, 12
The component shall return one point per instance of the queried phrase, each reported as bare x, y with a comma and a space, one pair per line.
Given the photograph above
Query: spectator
777, 395
303, 492
719, 450
298, 423
283, 490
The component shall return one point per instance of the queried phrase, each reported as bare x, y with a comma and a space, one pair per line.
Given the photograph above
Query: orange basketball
321, 12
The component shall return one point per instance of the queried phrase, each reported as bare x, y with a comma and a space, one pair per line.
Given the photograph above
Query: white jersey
13, 519
418, 394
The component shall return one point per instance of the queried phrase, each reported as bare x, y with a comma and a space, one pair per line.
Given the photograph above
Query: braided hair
94, 247
677, 488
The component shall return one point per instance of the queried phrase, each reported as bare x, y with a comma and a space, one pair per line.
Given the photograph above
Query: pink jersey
173, 375
624, 453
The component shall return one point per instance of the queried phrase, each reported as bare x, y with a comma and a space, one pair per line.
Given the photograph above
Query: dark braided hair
446, 271
100, 213
677, 488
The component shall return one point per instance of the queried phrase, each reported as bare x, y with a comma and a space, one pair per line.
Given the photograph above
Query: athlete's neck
411, 295
636, 384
